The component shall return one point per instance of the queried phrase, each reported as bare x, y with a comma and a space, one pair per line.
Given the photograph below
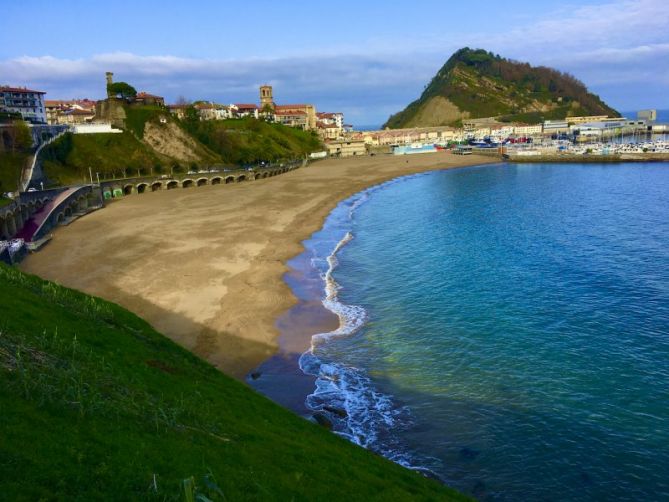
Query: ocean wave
358, 411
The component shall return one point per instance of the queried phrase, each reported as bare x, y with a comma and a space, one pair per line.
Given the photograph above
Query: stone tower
266, 98
109, 76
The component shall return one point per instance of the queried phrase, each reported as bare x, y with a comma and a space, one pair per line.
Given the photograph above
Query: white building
28, 103
523, 130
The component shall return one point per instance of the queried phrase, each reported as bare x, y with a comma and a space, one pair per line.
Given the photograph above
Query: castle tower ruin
110, 81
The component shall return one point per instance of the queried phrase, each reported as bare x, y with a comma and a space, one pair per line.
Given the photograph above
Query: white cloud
609, 46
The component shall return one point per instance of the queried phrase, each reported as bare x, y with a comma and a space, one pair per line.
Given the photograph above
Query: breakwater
587, 158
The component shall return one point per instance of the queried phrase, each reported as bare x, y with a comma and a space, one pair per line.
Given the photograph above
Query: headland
204, 265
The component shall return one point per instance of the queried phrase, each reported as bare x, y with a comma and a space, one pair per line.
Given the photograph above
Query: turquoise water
506, 328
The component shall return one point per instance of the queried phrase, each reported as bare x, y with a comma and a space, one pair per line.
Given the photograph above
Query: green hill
247, 141
153, 141
15, 154
67, 159
96, 405
475, 84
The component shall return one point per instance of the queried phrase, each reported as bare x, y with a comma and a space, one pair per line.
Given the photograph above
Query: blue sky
367, 59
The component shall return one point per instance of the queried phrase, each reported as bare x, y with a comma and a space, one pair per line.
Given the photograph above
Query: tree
122, 89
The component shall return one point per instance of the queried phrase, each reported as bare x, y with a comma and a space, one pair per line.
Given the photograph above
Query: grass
138, 116
11, 165
67, 159
248, 141
97, 405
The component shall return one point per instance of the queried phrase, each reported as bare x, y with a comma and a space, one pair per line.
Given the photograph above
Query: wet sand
204, 265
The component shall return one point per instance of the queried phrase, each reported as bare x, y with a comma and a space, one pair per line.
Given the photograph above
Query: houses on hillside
74, 111
302, 116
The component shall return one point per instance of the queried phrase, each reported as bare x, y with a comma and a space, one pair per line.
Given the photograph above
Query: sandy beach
204, 265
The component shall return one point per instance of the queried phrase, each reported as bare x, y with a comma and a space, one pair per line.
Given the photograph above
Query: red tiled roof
286, 112
76, 111
246, 106
147, 95
5, 88
289, 107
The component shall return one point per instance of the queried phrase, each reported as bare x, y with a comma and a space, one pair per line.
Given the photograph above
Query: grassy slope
246, 141
95, 404
68, 158
11, 165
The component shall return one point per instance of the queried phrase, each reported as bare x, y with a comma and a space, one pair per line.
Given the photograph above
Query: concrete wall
95, 129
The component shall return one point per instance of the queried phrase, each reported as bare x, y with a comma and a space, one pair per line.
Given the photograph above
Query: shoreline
206, 266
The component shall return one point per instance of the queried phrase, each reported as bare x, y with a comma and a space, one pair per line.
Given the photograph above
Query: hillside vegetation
248, 141
67, 160
96, 405
155, 142
477, 84
15, 153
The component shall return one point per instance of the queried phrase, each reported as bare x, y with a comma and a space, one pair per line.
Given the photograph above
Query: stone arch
187, 183
229, 179
172, 184
141, 188
202, 181
241, 178
216, 180
156, 185
82, 203
92, 199
68, 211
127, 189
60, 218
265, 174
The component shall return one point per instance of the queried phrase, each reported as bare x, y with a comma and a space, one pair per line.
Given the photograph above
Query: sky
367, 59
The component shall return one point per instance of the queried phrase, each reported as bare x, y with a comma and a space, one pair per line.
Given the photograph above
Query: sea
502, 328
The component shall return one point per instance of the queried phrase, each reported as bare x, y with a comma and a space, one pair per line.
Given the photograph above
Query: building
330, 125
285, 114
179, 111
556, 126
291, 118
336, 118
308, 110
527, 130
74, 111
346, 148
149, 99
266, 98
213, 111
240, 110
585, 119
26, 102
648, 115
328, 131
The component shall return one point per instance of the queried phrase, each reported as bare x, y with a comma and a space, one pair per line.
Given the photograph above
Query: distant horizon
367, 66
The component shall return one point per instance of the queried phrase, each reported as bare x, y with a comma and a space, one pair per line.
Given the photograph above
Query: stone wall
111, 110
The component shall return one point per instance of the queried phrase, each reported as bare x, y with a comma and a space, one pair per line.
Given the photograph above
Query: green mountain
475, 84
96, 405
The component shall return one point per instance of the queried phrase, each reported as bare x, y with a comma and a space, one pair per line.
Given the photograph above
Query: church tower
266, 98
